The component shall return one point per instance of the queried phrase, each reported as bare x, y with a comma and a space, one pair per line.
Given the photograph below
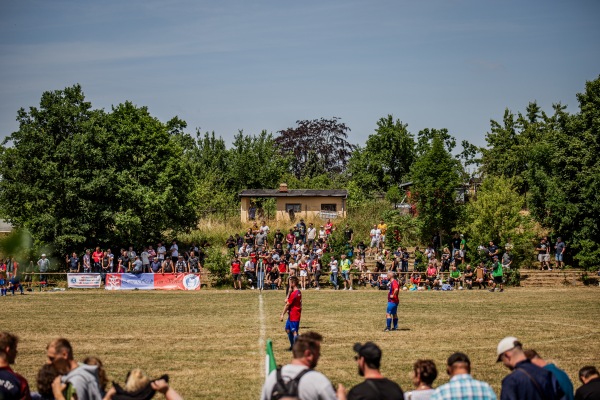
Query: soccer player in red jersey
293, 306
392, 307
13, 386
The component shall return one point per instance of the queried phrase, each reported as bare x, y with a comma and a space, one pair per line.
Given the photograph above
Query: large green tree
436, 175
76, 176
386, 158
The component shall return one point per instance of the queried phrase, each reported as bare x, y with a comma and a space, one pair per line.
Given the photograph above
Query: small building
291, 204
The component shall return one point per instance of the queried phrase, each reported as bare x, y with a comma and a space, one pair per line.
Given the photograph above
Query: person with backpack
299, 380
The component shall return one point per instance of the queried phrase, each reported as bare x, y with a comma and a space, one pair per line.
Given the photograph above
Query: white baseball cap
506, 344
43, 255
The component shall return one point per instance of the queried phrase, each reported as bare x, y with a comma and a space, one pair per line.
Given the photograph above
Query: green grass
208, 341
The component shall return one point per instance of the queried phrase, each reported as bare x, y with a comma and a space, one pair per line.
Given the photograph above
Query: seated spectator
468, 277
590, 390
380, 263
455, 276
424, 373
431, 275
249, 271
274, 278
415, 279
480, 276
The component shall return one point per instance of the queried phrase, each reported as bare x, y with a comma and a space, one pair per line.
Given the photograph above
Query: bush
218, 264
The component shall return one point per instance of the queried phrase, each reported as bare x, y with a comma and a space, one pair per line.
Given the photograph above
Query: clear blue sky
252, 65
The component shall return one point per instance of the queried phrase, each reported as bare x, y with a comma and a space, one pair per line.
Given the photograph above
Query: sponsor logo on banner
191, 282
152, 281
84, 281
113, 282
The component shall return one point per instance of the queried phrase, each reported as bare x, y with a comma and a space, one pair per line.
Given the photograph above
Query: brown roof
294, 193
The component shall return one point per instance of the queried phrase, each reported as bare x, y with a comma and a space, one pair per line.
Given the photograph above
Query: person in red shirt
392, 307
293, 306
97, 257
14, 385
236, 272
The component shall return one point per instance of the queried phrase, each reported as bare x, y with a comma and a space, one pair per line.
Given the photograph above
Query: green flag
270, 364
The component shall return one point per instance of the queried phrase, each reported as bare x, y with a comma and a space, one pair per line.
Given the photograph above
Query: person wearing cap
527, 380
375, 385
392, 305
312, 385
561, 376
590, 378
497, 275
462, 385
43, 265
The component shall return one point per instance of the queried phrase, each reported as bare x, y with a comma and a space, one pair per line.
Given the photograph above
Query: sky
233, 65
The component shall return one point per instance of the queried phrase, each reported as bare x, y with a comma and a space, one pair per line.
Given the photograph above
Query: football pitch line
262, 333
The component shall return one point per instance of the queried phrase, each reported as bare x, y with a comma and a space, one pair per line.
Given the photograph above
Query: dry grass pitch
211, 342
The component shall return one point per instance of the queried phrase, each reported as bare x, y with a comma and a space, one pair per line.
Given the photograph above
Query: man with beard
311, 384
375, 386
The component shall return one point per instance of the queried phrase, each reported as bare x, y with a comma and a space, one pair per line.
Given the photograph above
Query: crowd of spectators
531, 378
63, 378
265, 258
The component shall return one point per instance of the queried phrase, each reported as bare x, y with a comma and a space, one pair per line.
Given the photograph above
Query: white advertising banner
84, 281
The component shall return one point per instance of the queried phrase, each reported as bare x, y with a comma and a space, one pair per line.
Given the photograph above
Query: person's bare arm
163, 387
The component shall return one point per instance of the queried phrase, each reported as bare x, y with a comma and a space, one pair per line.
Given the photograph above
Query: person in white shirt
161, 251
333, 268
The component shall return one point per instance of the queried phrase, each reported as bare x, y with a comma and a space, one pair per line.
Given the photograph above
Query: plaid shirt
464, 387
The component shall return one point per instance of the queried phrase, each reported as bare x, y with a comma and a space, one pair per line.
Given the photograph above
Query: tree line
76, 176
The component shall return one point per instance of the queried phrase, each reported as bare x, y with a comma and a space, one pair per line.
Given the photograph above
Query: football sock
395, 323
388, 322
291, 338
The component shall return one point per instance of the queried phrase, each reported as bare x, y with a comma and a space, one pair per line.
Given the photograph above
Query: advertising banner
152, 282
84, 281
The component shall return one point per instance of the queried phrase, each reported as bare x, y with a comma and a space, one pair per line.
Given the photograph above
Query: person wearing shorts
345, 267
236, 273
497, 275
391, 313
560, 250
293, 307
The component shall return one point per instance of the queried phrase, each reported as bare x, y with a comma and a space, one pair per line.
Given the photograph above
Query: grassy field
211, 342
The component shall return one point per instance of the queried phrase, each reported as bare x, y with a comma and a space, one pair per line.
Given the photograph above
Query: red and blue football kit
295, 302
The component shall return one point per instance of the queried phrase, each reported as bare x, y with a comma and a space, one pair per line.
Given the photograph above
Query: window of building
294, 207
329, 207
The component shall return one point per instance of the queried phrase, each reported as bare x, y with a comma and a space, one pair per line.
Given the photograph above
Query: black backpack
289, 390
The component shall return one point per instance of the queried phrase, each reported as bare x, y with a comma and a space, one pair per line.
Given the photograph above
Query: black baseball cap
370, 352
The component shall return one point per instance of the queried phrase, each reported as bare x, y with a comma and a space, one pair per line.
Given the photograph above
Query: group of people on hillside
63, 378
531, 377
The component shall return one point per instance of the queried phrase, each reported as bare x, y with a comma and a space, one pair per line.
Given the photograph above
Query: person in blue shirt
561, 376
526, 381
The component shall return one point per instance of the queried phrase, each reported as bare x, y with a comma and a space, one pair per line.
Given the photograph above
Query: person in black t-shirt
375, 386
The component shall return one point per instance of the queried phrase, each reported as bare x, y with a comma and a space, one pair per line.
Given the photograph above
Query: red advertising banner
177, 281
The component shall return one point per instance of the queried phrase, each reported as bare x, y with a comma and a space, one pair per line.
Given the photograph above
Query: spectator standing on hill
145, 257
236, 273
543, 254
12, 385
492, 250
311, 384
463, 247
375, 386
497, 275
161, 251
123, 262
560, 248
73, 263
375, 236
455, 244
561, 376
249, 271
333, 269
462, 385
43, 266
97, 258
311, 235
526, 381
382, 227
424, 373
181, 266
174, 249
87, 262
301, 227
345, 267
392, 303
590, 378
348, 234
507, 260
193, 263
404, 262
293, 307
